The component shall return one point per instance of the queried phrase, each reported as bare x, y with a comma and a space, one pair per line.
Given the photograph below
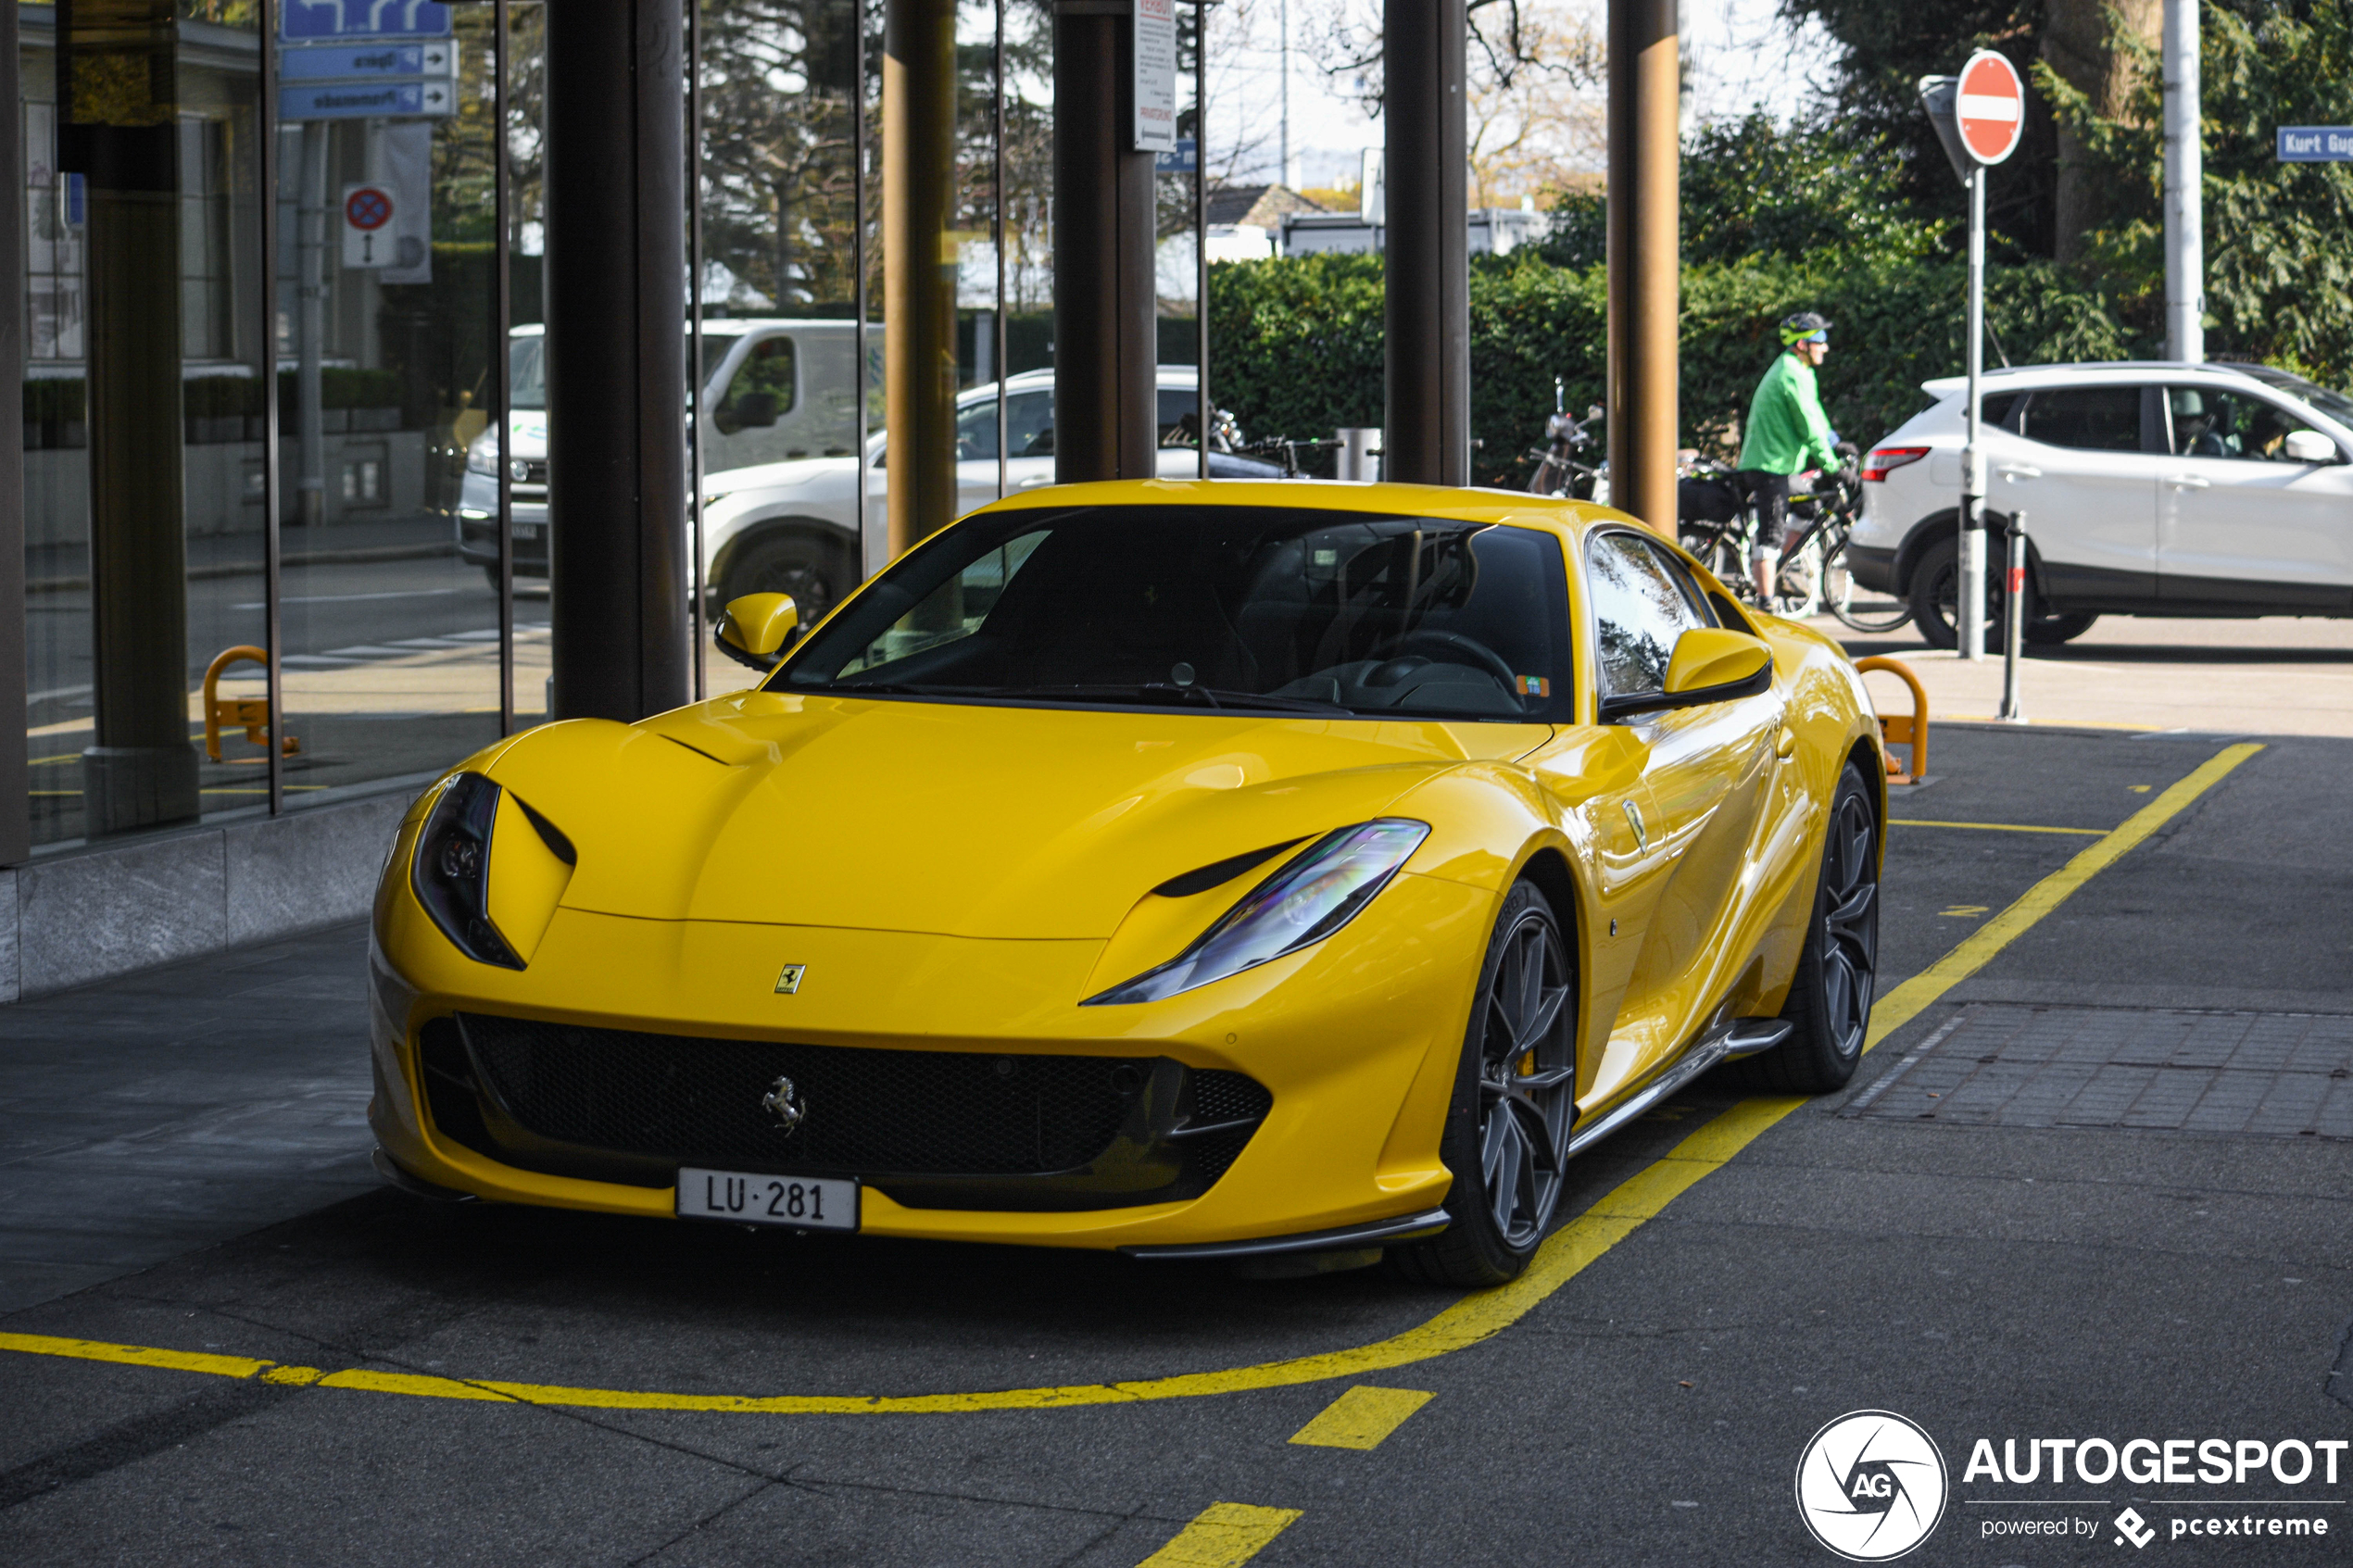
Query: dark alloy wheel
1830, 998
812, 571
1507, 1132
1936, 595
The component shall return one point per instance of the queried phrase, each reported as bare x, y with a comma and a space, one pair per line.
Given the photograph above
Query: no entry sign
1991, 106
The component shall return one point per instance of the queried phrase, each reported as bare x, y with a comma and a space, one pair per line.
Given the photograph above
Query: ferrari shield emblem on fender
788, 982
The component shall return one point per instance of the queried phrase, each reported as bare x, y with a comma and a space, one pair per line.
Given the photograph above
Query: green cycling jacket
1786, 431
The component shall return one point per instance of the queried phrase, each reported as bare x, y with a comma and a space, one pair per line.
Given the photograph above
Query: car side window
1639, 608
763, 389
2207, 422
976, 432
1029, 425
2095, 418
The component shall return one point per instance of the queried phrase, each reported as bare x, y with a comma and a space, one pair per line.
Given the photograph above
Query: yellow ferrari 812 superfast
1273, 871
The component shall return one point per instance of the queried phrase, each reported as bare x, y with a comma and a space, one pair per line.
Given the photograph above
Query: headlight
450, 873
482, 456
1319, 891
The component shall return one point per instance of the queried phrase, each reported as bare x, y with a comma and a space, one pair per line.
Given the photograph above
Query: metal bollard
2014, 622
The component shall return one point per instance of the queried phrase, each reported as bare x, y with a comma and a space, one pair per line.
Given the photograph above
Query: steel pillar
2184, 181
1427, 262
16, 826
1644, 259
919, 265
1106, 411
616, 362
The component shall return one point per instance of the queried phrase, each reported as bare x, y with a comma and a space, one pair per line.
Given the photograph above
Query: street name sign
1991, 106
2315, 143
387, 61
429, 99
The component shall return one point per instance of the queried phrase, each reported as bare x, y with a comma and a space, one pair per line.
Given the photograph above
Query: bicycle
1718, 523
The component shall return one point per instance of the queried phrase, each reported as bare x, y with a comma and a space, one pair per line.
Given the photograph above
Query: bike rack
1907, 729
250, 713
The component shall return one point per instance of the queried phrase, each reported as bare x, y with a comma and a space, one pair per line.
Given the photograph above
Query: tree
2279, 236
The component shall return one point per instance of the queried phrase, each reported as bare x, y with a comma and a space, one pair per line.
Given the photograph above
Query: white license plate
809, 1203
526, 530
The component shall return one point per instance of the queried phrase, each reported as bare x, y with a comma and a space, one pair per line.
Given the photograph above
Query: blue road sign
1181, 161
2315, 143
386, 61
363, 19
367, 100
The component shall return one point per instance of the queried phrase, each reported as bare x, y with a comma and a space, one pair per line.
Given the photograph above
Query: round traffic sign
1990, 105
370, 206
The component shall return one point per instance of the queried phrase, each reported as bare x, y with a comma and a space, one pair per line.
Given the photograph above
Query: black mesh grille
698, 1101
1228, 1097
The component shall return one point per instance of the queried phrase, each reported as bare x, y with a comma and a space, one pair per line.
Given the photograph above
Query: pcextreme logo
1872, 1486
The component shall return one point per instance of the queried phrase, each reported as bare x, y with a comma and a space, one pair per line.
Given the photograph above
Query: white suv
2152, 488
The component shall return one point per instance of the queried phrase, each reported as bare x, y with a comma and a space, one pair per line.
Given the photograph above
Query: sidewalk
179, 1106
2279, 676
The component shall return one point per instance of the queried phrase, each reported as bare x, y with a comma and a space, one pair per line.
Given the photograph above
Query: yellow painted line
1360, 1418
1468, 1322
1904, 1003
1992, 827
131, 1355
1224, 1535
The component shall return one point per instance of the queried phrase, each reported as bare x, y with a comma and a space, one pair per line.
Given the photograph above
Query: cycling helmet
1804, 325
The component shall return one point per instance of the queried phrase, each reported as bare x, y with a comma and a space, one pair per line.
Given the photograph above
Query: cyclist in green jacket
1786, 433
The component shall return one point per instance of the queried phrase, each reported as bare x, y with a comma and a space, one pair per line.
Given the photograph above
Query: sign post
1979, 115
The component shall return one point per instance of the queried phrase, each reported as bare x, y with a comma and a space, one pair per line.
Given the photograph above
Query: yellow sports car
1272, 871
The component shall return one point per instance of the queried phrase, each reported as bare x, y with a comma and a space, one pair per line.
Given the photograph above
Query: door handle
2189, 482
1785, 744
2017, 474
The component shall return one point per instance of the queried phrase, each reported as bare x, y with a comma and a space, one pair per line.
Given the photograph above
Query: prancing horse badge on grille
784, 1102
788, 982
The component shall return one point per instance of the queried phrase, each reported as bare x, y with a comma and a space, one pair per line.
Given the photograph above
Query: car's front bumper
1356, 1042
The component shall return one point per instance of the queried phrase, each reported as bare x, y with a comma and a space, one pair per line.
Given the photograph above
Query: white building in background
1496, 231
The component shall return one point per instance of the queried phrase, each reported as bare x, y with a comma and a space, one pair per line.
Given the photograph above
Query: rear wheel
2049, 631
1865, 609
1514, 1096
1830, 998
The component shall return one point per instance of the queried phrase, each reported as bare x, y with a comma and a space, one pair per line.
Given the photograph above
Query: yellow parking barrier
1907, 729
251, 714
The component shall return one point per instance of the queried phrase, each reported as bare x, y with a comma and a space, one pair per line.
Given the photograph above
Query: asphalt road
2099, 1187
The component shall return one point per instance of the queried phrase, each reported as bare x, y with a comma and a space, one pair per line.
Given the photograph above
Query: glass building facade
274, 411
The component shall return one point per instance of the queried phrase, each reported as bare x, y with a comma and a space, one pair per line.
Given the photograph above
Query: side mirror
1709, 664
755, 629
2309, 447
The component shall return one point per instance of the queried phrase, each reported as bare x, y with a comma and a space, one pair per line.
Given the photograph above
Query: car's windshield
527, 373
2335, 405
1212, 608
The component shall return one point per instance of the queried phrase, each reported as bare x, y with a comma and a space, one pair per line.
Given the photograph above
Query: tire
1864, 609
491, 571
2050, 631
1935, 601
1829, 997
1506, 1130
812, 571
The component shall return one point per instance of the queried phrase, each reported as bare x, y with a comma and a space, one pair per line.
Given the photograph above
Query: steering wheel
1473, 652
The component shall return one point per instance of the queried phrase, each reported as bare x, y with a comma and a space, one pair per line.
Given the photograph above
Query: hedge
1297, 343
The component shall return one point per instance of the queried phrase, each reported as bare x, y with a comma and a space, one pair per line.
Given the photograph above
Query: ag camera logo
1872, 1486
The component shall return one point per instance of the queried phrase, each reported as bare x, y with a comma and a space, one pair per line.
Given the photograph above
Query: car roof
1569, 519
2094, 371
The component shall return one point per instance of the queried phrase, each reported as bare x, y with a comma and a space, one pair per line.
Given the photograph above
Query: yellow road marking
1468, 1322
1991, 827
1360, 1418
1902, 1004
1965, 910
1224, 1535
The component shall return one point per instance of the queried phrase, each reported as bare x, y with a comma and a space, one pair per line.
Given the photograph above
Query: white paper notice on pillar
404, 162
367, 227
1156, 76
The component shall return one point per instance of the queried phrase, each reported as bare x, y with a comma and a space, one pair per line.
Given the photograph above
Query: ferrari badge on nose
784, 1102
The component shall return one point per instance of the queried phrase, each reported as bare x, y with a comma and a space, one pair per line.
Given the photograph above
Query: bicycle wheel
1797, 585
1865, 609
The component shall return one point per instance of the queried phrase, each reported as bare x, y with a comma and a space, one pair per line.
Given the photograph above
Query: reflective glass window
1639, 608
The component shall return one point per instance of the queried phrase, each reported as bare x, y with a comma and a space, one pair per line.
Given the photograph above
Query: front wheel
1515, 1099
813, 571
1829, 997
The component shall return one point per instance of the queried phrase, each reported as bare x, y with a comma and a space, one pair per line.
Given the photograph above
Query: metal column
16, 825
616, 382
1427, 263
1106, 413
2184, 176
919, 268
1644, 259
